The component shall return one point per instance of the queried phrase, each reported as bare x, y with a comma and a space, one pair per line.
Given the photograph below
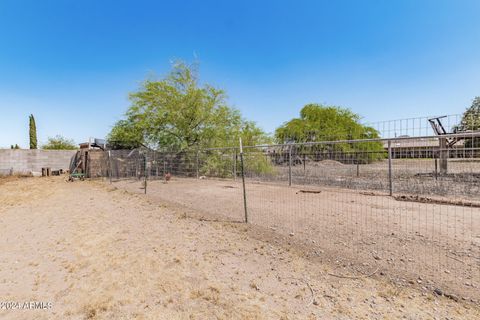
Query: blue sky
73, 63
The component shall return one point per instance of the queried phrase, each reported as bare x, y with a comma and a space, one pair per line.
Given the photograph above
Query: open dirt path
99, 253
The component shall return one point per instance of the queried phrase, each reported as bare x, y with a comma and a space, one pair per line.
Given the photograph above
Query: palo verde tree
325, 123
59, 143
32, 132
471, 122
179, 113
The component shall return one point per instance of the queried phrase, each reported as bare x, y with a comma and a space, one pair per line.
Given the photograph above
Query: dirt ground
98, 252
415, 176
432, 245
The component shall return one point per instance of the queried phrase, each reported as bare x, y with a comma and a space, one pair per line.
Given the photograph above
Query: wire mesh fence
390, 129
418, 126
406, 207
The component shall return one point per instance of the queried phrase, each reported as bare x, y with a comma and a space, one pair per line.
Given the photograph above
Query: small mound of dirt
331, 163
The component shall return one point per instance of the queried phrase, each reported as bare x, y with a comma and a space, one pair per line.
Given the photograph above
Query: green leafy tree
14, 146
178, 113
328, 123
126, 134
320, 123
59, 143
32, 132
470, 122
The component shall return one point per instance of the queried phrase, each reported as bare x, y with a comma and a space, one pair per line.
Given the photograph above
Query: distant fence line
223, 162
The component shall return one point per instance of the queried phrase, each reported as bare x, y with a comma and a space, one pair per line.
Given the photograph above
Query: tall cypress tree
33, 133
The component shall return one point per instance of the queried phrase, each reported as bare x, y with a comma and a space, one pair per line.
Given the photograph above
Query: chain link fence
406, 208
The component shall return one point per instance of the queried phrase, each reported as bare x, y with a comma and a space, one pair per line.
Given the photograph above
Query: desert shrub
220, 164
216, 164
258, 164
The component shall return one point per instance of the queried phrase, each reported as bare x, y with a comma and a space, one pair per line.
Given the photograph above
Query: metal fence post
235, 165
304, 167
145, 172
197, 169
443, 146
390, 177
290, 165
304, 163
110, 166
243, 182
154, 163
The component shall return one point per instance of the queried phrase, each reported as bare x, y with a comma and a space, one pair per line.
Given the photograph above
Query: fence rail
409, 207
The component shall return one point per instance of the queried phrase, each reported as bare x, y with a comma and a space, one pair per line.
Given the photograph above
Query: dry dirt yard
436, 247
97, 252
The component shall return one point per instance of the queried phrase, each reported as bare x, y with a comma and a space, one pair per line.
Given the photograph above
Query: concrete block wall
26, 161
